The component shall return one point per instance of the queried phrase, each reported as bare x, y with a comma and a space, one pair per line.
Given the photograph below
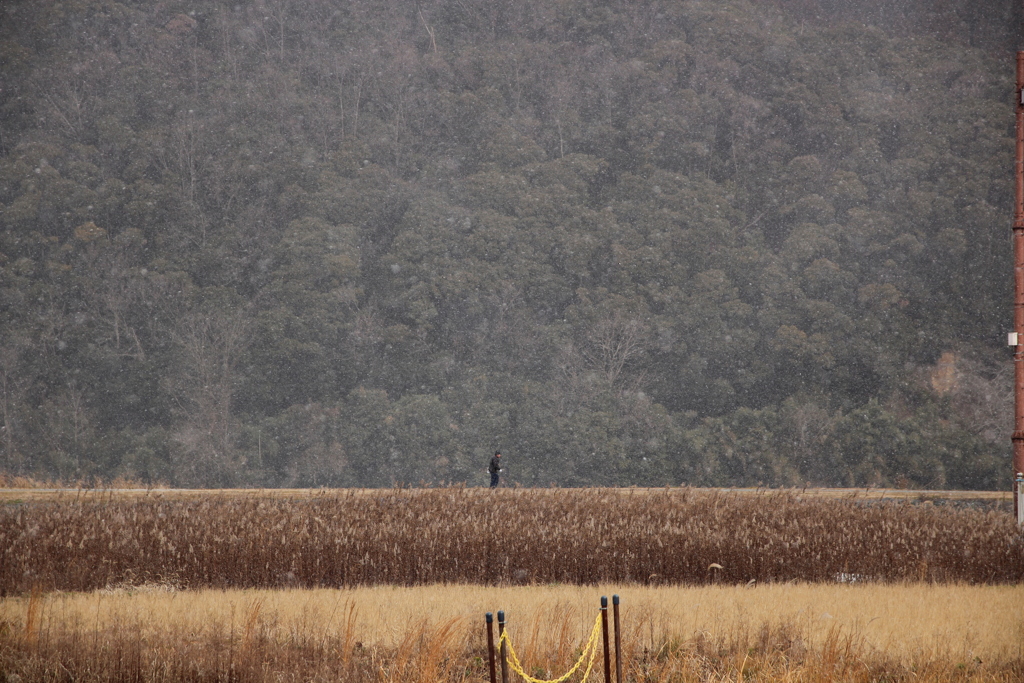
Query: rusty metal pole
1018, 277
490, 646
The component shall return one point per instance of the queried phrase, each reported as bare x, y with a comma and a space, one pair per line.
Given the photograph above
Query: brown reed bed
458, 535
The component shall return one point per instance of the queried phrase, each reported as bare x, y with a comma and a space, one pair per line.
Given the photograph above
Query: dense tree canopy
312, 243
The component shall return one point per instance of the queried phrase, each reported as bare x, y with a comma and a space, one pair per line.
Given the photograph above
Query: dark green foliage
646, 243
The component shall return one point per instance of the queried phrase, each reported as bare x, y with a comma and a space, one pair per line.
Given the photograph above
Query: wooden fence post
490, 645
504, 649
604, 626
618, 641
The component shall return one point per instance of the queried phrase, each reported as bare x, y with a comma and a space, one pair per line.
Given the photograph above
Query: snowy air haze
361, 243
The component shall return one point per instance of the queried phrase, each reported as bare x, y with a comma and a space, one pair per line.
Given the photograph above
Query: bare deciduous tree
599, 359
12, 391
983, 397
210, 345
611, 344
114, 290
68, 429
65, 96
184, 160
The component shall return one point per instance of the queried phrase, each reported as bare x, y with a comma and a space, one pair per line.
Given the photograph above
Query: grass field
794, 632
388, 586
43, 492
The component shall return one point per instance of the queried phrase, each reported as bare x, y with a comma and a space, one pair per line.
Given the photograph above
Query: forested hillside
358, 243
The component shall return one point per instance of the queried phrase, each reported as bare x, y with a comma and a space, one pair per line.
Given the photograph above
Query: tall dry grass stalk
455, 535
795, 632
33, 616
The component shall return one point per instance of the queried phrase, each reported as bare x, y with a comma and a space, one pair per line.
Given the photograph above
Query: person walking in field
495, 469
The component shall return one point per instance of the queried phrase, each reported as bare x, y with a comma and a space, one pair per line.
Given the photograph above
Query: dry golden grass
795, 632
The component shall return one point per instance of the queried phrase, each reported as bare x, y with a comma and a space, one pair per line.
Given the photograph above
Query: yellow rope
589, 652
